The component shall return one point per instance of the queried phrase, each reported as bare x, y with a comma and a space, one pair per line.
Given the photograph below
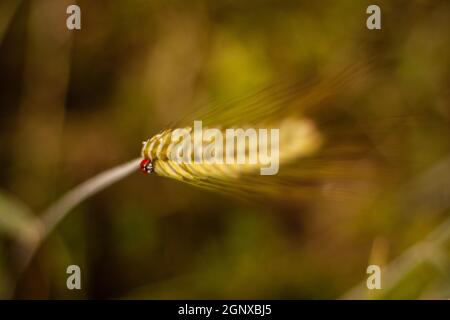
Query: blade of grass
17, 220
423, 251
432, 185
7, 12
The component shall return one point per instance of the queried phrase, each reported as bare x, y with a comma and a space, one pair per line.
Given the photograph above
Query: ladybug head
146, 166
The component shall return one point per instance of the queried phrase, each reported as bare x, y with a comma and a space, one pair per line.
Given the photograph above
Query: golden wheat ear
312, 151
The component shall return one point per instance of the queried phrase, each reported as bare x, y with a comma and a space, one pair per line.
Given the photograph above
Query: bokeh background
74, 103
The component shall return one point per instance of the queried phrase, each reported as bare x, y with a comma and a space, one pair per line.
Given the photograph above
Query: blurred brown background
74, 103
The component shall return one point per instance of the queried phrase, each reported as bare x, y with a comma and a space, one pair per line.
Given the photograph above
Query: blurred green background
74, 103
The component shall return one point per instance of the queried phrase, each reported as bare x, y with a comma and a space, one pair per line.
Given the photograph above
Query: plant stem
56, 212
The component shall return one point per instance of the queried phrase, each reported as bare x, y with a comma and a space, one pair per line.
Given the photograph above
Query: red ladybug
146, 166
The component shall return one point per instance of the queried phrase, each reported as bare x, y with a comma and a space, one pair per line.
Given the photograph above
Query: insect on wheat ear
146, 166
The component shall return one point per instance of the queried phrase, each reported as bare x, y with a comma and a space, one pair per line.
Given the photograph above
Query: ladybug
146, 166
